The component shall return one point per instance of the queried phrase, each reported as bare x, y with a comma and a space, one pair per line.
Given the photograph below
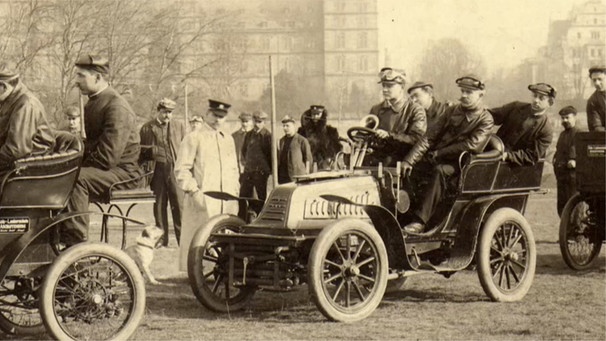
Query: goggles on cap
391, 75
470, 82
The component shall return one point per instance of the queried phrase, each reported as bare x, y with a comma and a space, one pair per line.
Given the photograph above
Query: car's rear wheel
348, 270
580, 234
506, 256
208, 268
19, 313
92, 291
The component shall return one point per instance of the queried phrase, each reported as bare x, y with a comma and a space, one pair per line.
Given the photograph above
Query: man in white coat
206, 161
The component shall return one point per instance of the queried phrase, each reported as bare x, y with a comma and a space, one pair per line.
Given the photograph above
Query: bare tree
444, 61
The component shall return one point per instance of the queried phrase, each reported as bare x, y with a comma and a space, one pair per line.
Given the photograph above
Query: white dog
143, 252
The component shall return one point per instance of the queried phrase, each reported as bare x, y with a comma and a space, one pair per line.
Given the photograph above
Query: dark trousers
435, 191
567, 187
92, 185
164, 186
250, 182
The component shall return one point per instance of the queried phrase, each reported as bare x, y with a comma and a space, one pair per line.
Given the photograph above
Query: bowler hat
7, 73
419, 84
287, 119
391, 75
219, 108
597, 68
471, 82
543, 89
167, 103
259, 115
568, 110
93, 63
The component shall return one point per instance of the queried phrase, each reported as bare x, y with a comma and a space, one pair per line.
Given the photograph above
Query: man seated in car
402, 123
464, 127
525, 128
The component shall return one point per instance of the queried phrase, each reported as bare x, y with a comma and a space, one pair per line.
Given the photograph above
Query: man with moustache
525, 128
160, 141
246, 125
564, 160
206, 162
422, 94
464, 127
596, 104
402, 123
111, 150
24, 129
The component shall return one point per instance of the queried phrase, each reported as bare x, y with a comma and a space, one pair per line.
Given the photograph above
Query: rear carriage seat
44, 181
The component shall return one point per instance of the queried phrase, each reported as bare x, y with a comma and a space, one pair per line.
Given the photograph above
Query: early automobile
582, 226
340, 233
87, 291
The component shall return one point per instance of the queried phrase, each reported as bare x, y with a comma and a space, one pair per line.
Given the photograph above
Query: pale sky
504, 32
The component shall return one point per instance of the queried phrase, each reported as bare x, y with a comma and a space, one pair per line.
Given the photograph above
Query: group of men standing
426, 136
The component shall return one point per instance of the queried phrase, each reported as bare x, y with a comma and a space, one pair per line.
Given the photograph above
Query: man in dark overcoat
596, 104
564, 160
111, 148
525, 128
464, 127
24, 129
160, 141
294, 152
422, 94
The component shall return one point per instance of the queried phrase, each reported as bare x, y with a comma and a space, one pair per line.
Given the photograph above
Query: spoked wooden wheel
92, 291
506, 256
348, 270
581, 234
208, 268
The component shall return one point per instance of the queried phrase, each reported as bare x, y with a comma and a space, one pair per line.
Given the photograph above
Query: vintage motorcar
87, 291
582, 226
340, 232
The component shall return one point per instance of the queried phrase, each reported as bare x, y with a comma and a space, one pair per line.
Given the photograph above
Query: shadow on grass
553, 264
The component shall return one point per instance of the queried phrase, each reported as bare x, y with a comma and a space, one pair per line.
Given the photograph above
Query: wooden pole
274, 144
82, 130
186, 109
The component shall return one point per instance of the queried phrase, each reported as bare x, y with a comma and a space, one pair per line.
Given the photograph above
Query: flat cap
419, 84
471, 82
93, 63
167, 103
568, 110
543, 89
196, 118
7, 73
259, 115
287, 119
597, 68
72, 112
219, 108
316, 107
245, 116
391, 75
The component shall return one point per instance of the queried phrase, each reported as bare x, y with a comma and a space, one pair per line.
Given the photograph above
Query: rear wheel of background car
208, 268
348, 270
506, 256
92, 291
580, 238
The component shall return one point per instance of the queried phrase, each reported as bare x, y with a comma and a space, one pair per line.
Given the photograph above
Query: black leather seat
43, 181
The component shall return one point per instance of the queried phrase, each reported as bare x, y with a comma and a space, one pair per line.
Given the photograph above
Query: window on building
287, 64
363, 6
341, 6
595, 21
593, 52
265, 43
340, 63
340, 40
600, 53
578, 35
362, 40
363, 65
595, 35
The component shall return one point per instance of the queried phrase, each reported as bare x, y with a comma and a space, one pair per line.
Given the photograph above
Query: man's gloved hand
382, 134
406, 168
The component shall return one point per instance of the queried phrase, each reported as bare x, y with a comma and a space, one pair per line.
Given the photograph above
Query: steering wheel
360, 134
